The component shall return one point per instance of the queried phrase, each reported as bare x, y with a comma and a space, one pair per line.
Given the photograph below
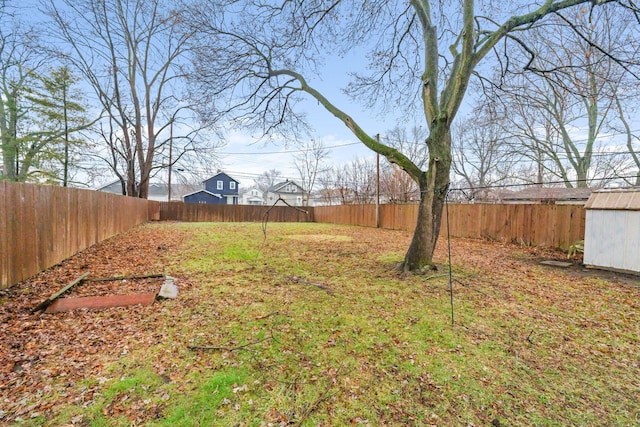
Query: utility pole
170, 157
378, 185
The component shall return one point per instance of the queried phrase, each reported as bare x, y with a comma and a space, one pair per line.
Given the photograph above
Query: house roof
110, 187
162, 189
204, 191
279, 187
615, 199
550, 193
218, 175
157, 190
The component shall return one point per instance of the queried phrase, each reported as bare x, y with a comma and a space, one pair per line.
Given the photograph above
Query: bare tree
351, 183
396, 186
562, 105
481, 154
631, 138
423, 54
267, 180
16, 74
132, 53
311, 162
360, 180
329, 192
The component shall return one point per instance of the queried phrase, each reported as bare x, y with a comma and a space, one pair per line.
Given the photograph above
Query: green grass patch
312, 326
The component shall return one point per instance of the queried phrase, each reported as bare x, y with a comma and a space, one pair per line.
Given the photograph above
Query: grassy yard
313, 326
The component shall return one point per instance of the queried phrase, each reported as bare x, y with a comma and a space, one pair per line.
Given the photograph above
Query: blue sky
327, 128
280, 156
259, 156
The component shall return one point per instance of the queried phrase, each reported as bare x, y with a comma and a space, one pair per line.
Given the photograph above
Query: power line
304, 150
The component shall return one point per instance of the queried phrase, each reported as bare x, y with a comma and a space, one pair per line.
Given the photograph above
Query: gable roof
280, 186
220, 175
204, 191
111, 187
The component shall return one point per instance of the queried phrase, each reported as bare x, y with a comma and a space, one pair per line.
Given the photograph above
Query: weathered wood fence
556, 226
42, 225
192, 212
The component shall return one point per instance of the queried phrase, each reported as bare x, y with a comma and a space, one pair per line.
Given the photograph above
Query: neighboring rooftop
549, 193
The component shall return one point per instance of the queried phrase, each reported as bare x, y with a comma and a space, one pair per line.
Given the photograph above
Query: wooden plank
100, 302
29, 222
113, 278
19, 230
4, 238
44, 304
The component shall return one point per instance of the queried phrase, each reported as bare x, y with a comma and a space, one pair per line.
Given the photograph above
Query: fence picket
42, 225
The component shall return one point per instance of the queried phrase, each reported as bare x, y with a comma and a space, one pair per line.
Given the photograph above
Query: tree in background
564, 102
481, 154
422, 56
267, 180
133, 54
38, 113
351, 183
396, 186
18, 65
632, 144
311, 162
61, 115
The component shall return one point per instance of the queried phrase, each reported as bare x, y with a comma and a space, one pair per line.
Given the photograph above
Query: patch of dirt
578, 270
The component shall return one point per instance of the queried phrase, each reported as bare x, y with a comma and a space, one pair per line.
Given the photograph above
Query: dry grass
314, 327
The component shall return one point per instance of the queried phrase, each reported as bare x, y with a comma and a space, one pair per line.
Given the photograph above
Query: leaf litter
530, 344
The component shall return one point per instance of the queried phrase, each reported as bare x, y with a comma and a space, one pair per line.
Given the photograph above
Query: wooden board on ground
46, 303
553, 263
100, 302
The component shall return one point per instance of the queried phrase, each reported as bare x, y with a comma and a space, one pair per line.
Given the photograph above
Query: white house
288, 191
252, 196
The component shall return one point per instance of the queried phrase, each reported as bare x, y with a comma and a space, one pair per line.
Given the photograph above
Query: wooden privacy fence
556, 226
42, 225
192, 212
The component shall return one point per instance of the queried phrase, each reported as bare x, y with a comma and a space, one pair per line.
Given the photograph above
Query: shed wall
612, 239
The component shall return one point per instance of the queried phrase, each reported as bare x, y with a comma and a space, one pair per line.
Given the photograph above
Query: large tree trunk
434, 185
9, 159
8, 133
582, 179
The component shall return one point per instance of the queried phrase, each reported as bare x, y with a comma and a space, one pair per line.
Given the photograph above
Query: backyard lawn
311, 325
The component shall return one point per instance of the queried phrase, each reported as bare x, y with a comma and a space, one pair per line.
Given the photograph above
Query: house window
220, 185
299, 201
232, 185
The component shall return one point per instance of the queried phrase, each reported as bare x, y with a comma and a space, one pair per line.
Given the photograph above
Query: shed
612, 234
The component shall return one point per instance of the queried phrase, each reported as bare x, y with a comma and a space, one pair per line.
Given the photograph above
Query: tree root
404, 268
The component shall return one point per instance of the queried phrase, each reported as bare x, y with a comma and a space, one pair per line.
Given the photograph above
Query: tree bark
434, 185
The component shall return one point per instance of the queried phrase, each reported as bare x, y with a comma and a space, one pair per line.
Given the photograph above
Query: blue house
220, 189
